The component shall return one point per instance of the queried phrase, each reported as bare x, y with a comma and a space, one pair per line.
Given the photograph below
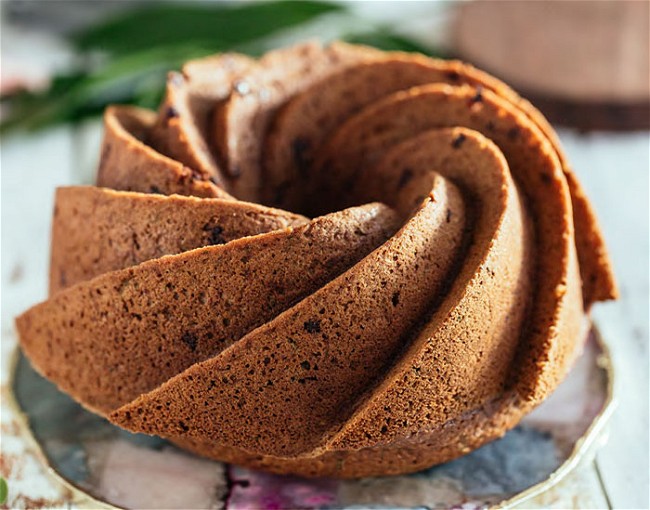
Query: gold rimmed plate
110, 468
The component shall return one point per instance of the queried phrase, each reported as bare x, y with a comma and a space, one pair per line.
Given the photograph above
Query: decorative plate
112, 468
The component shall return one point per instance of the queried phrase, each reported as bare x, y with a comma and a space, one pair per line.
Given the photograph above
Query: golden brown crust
465, 315
182, 129
536, 168
97, 230
428, 448
128, 331
377, 340
303, 125
320, 350
127, 163
241, 123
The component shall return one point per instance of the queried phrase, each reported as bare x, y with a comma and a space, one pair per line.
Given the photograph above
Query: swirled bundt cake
332, 261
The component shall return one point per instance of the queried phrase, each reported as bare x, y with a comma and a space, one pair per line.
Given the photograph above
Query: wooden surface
614, 170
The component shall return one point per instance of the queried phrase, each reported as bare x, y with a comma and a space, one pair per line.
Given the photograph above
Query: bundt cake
332, 261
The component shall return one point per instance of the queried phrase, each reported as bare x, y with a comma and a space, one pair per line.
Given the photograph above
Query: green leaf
217, 26
138, 78
141, 45
4, 489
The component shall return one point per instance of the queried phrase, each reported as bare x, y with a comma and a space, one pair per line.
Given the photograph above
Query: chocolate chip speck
513, 133
190, 340
312, 326
300, 146
407, 175
453, 76
214, 234
281, 193
478, 97
305, 365
214, 180
235, 171
448, 215
171, 113
63, 280
155, 190
458, 141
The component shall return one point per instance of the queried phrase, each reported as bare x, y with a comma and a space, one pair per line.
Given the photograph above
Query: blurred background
585, 64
